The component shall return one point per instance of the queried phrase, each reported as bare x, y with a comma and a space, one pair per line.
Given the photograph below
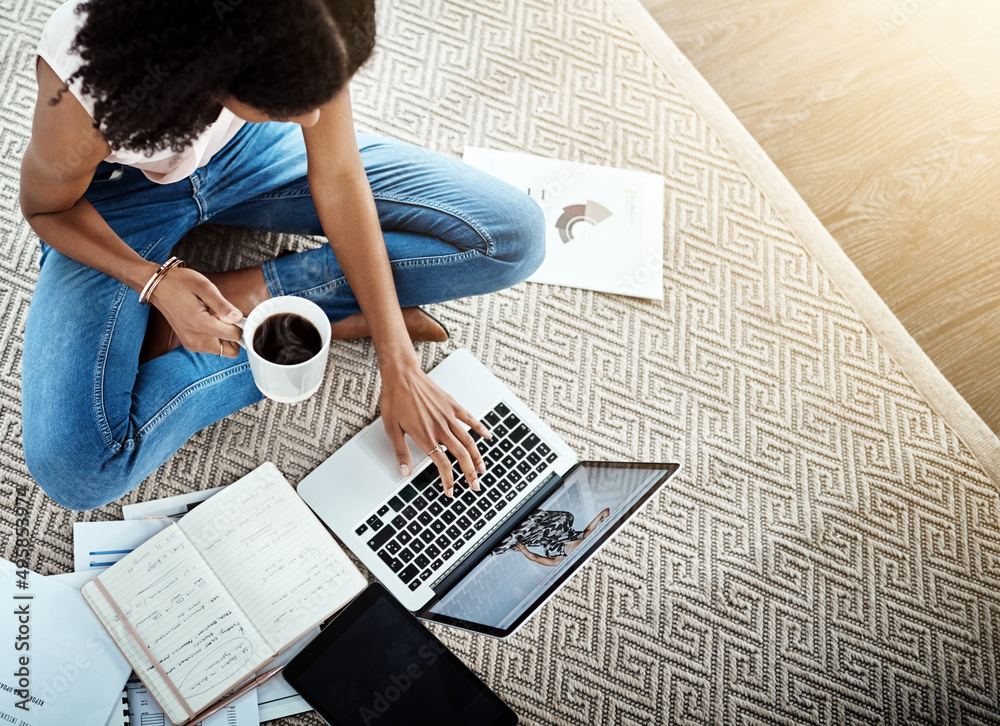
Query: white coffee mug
286, 383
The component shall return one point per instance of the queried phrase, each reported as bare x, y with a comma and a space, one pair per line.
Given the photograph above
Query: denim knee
75, 471
519, 240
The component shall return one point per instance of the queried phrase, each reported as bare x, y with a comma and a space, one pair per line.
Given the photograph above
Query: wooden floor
885, 116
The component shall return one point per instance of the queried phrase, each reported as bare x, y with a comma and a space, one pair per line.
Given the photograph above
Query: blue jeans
96, 423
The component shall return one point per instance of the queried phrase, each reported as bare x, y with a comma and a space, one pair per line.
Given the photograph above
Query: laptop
482, 561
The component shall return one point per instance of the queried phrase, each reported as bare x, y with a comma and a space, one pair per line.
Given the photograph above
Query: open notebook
213, 598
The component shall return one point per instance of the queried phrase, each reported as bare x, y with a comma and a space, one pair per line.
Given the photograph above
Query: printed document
604, 226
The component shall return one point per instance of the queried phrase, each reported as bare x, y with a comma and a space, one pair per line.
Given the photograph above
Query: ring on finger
440, 447
222, 348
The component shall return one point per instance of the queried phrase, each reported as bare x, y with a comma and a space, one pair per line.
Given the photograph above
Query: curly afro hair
157, 69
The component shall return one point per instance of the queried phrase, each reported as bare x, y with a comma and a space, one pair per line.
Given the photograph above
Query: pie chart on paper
592, 213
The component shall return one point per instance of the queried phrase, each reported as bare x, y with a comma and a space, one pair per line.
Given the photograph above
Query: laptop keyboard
418, 530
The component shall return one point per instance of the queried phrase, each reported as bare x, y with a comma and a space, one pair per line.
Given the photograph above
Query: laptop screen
537, 551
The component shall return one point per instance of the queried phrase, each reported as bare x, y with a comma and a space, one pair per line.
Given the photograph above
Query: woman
153, 117
552, 532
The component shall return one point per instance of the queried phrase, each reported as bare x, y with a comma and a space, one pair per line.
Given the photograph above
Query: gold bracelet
147, 290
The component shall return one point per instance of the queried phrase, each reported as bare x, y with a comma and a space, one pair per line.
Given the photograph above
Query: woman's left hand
413, 404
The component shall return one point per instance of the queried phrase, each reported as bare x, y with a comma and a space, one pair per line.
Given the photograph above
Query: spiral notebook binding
125, 717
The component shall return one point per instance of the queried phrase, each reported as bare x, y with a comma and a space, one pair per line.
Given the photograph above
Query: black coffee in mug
287, 339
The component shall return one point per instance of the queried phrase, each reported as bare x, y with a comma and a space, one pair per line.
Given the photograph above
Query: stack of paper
97, 545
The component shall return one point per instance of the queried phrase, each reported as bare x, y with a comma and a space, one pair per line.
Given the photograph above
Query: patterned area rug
829, 552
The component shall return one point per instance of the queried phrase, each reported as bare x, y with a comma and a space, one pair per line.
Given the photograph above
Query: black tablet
375, 664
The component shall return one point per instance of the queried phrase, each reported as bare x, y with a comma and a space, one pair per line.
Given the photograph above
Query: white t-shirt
162, 167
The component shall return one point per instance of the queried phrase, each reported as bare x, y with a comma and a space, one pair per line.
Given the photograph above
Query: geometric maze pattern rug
829, 552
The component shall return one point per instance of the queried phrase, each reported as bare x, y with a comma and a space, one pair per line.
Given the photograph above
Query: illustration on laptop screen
564, 528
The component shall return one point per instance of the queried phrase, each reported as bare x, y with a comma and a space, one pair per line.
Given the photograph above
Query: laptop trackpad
376, 444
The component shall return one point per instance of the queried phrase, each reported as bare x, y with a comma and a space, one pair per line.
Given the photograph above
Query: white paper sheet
119, 714
98, 545
143, 711
277, 699
175, 507
604, 225
75, 579
74, 669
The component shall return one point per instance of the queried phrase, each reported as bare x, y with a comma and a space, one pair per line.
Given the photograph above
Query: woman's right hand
200, 316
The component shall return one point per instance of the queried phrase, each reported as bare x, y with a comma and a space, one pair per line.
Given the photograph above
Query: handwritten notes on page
274, 556
190, 624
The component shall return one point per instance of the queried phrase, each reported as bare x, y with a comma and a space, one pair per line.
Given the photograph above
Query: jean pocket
106, 172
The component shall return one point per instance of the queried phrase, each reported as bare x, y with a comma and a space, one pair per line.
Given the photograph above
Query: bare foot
420, 326
244, 288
